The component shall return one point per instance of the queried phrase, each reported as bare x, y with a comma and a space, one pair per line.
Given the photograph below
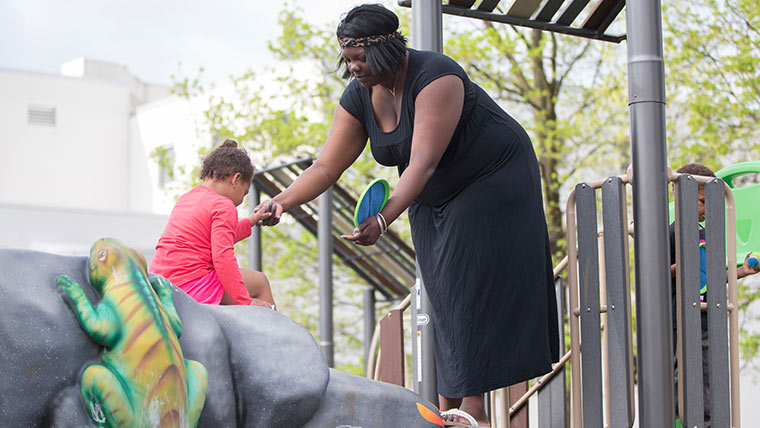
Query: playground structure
600, 263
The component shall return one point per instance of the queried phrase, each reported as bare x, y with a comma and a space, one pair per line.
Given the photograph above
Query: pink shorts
206, 289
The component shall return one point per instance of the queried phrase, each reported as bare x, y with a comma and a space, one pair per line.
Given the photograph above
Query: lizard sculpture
143, 380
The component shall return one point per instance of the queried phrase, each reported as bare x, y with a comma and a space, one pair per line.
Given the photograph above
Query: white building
72, 159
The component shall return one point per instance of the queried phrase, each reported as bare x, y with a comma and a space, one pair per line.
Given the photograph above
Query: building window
39, 115
164, 155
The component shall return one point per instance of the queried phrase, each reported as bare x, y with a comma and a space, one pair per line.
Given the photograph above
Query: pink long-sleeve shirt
199, 237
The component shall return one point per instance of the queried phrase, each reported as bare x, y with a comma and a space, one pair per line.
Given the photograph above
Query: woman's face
356, 62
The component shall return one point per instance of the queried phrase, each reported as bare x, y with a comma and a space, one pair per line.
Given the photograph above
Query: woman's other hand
273, 209
366, 234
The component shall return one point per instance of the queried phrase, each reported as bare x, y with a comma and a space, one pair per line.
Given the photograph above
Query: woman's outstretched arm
344, 144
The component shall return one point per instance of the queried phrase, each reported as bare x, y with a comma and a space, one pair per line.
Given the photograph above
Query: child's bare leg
257, 285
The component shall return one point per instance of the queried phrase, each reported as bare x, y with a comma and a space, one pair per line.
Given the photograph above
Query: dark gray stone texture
264, 370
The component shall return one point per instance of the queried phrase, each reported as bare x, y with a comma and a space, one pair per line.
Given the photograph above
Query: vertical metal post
427, 25
369, 324
254, 243
427, 34
646, 100
425, 382
324, 238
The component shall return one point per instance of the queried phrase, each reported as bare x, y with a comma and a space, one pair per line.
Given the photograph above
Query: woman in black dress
470, 179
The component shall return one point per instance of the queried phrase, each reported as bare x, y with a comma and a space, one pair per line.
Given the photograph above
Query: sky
153, 39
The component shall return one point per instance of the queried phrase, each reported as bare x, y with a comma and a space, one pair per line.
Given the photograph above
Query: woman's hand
366, 234
271, 209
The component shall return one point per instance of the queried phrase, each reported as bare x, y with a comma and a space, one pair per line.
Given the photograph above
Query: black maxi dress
480, 236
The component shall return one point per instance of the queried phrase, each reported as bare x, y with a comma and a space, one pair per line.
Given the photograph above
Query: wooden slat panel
603, 15
520, 418
618, 292
462, 3
552, 405
488, 5
691, 408
523, 8
546, 14
392, 348
717, 314
588, 280
572, 11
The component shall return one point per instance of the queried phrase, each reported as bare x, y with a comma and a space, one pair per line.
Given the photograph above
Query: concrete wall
86, 159
84, 175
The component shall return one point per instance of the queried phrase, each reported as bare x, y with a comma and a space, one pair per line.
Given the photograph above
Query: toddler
196, 249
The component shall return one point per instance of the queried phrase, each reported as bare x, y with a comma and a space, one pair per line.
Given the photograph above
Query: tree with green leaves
713, 71
712, 50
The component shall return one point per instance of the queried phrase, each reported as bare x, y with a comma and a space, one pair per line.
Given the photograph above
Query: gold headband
348, 42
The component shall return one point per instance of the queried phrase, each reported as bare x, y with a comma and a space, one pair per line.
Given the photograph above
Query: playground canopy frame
526, 13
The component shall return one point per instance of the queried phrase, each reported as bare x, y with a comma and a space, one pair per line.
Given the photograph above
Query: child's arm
746, 269
223, 234
245, 225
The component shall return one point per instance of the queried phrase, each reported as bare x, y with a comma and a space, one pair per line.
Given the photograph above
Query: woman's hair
696, 169
226, 160
369, 20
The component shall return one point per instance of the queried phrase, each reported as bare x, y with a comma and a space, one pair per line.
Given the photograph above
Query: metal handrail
373, 362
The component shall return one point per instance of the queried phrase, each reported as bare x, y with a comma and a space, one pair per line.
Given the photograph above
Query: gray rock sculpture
264, 370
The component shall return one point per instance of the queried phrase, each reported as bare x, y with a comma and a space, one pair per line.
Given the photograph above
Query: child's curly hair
226, 160
696, 169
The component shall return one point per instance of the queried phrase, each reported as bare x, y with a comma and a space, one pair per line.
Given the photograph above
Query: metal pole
427, 25
646, 100
425, 382
427, 34
254, 243
369, 324
324, 237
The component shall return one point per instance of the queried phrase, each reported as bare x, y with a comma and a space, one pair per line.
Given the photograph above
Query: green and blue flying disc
372, 200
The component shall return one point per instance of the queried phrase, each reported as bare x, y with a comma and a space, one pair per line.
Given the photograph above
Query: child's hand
260, 302
747, 269
271, 207
258, 216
